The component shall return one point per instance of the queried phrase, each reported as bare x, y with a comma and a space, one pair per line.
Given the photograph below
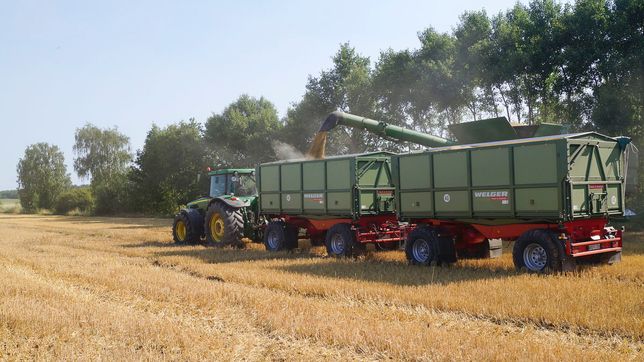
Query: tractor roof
226, 171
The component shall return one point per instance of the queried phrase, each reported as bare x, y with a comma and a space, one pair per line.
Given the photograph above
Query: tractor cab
233, 182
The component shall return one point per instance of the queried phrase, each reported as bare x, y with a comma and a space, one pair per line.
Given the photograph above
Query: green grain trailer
552, 194
351, 197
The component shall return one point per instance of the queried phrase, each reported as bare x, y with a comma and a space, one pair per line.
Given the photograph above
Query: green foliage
114, 195
104, 155
42, 177
79, 198
165, 173
100, 153
347, 86
9, 194
243, 134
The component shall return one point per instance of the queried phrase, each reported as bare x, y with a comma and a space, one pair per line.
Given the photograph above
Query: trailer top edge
516, 142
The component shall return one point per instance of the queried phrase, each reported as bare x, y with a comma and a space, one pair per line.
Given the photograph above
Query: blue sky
134, 63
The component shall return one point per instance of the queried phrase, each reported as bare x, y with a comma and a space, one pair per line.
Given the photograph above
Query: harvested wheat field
112, 288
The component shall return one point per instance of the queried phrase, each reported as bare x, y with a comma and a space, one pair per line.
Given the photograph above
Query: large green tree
472, 38
244, 133
346, 86
100, 153
42, 176
169, 170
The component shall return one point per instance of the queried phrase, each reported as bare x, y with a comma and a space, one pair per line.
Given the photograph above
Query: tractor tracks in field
225, 321
245, 297
361, 301
365, 302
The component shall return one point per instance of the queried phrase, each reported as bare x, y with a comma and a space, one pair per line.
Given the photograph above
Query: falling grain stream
316, 151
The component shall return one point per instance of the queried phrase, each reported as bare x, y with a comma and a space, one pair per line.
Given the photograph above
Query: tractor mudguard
233, 202
195, 218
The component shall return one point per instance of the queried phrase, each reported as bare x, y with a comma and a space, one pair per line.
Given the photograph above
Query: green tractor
223, 217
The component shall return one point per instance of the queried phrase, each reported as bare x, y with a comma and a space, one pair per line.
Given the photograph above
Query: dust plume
284, 151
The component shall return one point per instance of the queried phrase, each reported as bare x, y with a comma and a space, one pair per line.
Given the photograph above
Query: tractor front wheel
183, 232
223, 225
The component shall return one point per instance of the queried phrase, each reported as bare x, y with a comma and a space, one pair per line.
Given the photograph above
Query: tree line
581, 65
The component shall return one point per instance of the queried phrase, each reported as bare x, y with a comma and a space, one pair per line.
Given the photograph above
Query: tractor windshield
243, 185
217, 185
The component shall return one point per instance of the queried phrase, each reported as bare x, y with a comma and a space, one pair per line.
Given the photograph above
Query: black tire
226, 228
341, 241
188, 235
388, 246
421, 247
279, 236
536, 251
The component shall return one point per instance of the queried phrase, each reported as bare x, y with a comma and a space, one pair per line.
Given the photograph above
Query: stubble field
113, 288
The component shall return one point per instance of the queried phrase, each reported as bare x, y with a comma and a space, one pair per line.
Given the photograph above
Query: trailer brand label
596, 187
317, 197
385, 193
493, 195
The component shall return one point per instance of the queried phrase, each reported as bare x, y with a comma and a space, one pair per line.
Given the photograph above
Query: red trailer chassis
579, 238
367, 229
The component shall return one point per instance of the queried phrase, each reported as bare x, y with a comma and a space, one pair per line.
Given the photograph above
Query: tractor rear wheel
183, 231
224, 225
536, 251
341, 241
279, 236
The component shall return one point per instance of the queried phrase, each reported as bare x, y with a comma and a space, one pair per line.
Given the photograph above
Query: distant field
9, 204
114, 288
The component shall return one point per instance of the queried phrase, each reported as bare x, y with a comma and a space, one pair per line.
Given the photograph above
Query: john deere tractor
223, 217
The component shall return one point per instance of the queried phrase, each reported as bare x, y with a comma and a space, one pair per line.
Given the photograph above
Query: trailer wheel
223, 225
536, 251
279, 236
421, 246
341, 241
183, 231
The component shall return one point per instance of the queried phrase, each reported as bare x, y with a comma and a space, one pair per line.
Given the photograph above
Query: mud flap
568, 263
615, 258
446, 249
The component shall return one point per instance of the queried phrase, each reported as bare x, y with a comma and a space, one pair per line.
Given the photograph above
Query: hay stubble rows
117, 288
